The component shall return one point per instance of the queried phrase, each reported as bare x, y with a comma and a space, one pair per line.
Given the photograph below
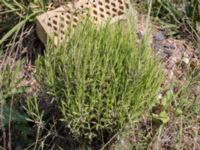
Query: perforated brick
55, 23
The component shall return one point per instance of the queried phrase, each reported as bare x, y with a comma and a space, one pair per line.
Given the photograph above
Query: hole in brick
101, 9
55, 22
95, 12
81, 6
113, 4
108, 12
120, 13
67, 22
100, 3
94, 6
62, 13
75, 20
115, 10
114, 15
49, 24
95, 18
55, 28
107, 7
75, 14
62, 25
107, 1
121, 7
127, 5
102, 16
56, 34
120, 1
62, 18
62, 32
56, 16
68, 16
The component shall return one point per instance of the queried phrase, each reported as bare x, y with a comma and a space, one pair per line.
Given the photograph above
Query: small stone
186, 60
168, 52
159, 36
169, 46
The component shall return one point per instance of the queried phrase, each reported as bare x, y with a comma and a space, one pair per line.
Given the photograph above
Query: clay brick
55, 23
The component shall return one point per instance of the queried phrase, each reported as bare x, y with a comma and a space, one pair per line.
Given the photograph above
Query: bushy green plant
100, 79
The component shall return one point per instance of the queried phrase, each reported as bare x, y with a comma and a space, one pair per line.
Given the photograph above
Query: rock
159, 36
186, 60
169, 46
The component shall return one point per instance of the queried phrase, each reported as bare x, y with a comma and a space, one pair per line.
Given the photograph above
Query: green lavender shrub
100, 78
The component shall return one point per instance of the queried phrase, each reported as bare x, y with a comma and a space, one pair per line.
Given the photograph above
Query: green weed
15, 14
178, 18
11, 119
